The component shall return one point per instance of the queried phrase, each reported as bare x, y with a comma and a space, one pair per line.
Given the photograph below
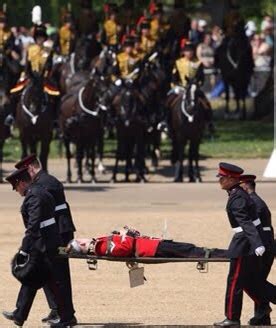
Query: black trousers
245, 275
63, 272
27, 293
267, 261
177, 249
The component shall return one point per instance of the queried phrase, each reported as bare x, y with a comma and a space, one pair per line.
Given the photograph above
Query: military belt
47, 223
256, 223
60, 207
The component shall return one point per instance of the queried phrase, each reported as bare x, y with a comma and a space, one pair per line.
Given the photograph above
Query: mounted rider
111, 29
38, 61
147, 42
10, 53
123, 68
65, 42
186, 68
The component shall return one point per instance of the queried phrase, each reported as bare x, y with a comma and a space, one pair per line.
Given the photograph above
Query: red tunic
126, 246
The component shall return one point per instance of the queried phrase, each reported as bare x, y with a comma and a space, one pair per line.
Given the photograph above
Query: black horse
131, 131
235, 61
35, 118
188, 118
9, 71
81, 60
82, 122
153, 85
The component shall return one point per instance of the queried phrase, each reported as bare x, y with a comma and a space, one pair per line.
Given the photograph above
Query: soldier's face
21, 188
189, 54
227, 182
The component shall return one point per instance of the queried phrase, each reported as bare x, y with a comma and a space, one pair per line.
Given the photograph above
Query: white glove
259, 251
118, 82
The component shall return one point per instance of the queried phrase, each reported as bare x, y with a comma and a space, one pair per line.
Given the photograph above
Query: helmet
40, 31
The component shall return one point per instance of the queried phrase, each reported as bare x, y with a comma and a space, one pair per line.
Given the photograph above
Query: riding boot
11, 111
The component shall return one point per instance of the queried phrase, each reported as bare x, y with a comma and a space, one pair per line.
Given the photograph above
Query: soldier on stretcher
129, 243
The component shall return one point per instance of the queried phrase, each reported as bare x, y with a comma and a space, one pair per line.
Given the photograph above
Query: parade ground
174, 294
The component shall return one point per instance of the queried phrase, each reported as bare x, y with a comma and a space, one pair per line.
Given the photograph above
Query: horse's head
127, 103
86, 50
33, 98
105, 61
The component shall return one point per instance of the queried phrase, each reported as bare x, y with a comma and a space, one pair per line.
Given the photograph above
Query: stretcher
136, 272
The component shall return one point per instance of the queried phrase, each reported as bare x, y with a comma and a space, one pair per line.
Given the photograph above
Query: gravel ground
174, 294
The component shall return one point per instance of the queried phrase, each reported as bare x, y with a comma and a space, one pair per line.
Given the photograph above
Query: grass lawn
232, 139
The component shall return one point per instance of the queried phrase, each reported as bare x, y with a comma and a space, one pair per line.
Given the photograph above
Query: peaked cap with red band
247, 177
229, 170
16, 176
26, 161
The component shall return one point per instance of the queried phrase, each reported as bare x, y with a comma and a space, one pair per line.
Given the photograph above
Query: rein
183, 109
72, 63
84, 108
230, 58
25, 108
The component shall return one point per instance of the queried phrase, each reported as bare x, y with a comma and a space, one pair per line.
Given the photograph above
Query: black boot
9, 120
228, 323
53, 315
62, 324
11, 316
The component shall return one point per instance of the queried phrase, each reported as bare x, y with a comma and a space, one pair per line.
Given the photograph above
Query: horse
235, 61
81, 121
153, 86
5, 83
130, 122
70, 72
188, 118
35, 118
4, 130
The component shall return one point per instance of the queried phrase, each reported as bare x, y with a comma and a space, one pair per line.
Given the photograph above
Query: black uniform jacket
241, 212
38, 210
265, 217
62, 210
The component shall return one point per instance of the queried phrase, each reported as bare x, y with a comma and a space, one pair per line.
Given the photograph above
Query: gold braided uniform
157, 29
111, 30
126, 63
37, 56
185, 67
140, 53
4, 36
65, 38
147, 44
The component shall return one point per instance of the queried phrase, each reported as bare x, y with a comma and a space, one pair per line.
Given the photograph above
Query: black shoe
53, 315
228, 323
10, 316
265, 321
63, 324
9, 120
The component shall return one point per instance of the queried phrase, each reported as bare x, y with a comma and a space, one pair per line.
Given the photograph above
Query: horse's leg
1, 160
129, 145
178, 176
226, 113
140, 155
191, 173
68, 158
79, 155
196, 158
24, 149
92, 158
243, 108
44, 152
100, 150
